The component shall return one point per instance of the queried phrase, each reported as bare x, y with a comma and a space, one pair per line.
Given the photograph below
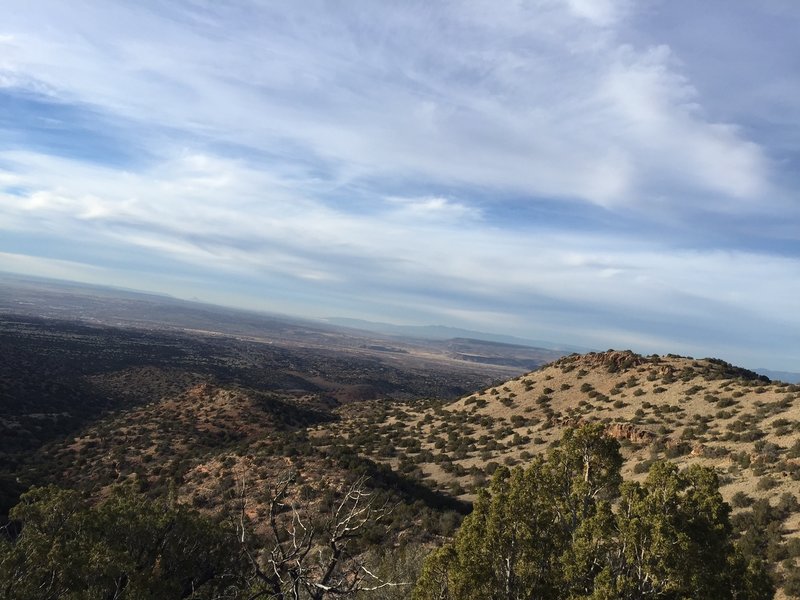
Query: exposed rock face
199, 391
618, 431
626, 431
611, 361
698, 450
666, 371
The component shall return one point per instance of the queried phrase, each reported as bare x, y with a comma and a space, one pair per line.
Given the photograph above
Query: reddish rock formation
619, 431
627, 431
612, 360
199, 390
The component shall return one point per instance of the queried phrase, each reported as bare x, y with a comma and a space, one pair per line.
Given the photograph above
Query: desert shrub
741, 500
679, 449
794, 451
766, 483
752, 434
793, 547
716, 451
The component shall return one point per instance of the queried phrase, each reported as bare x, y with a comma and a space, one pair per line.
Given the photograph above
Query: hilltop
676, 407
703, 411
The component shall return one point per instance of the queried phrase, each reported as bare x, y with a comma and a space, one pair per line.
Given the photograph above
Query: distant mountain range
441, 332
787, 376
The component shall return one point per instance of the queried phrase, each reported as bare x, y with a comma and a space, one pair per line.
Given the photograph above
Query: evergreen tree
550, 532
126, 547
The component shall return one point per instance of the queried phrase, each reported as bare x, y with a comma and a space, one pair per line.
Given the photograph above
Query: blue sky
605, 173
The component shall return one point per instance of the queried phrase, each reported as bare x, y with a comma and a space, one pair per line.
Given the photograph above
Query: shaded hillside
206, 444
154, 444
56, 376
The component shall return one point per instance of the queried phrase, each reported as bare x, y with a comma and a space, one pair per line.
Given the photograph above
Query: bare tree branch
301, 560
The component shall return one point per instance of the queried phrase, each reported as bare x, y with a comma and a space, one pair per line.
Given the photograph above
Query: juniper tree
550, 532
127, 546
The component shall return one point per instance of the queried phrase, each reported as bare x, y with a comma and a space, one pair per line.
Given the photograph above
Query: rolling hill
659, 407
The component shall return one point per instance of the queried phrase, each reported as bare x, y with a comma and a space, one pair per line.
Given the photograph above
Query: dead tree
298, 560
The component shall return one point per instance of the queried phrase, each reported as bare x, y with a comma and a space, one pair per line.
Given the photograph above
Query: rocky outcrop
627, 431
611, 360
698, 450
618, 431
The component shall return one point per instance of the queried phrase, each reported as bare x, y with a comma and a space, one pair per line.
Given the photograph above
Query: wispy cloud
554, 165
435, 208
599, 12
471, 99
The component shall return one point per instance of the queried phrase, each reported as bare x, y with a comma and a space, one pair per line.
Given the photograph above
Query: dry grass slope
659, 407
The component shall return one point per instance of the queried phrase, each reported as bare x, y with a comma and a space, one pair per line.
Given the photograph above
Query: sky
602, 173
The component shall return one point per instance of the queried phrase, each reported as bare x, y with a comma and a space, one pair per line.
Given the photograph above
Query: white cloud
56, 268
659, 117
434, 208
599, 12
546, 106
245, 223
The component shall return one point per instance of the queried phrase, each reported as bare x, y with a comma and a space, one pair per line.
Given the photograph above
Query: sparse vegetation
189, 430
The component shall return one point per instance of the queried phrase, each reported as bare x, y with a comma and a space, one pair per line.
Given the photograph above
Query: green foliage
671, 538
549, 532
762, 529
125, 547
